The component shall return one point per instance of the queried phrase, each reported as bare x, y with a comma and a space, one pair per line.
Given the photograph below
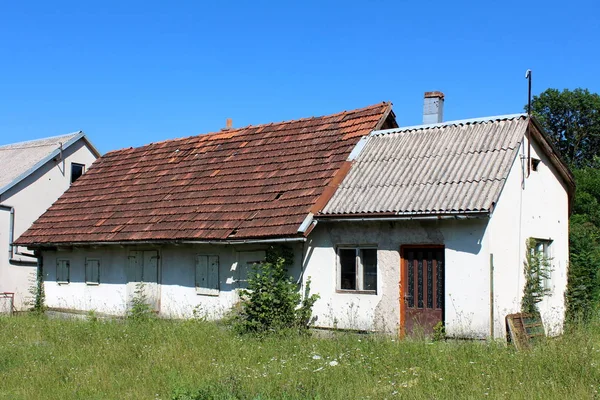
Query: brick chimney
433, 108
228, 124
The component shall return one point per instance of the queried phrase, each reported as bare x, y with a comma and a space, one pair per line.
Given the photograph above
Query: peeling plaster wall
177, 291
466, 275
31, 198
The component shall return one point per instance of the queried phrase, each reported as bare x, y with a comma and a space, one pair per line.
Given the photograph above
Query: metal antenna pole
528, 77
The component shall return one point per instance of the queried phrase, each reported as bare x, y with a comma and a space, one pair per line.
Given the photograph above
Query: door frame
403, 272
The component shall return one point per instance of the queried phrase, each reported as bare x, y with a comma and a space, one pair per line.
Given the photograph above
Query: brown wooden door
422, 289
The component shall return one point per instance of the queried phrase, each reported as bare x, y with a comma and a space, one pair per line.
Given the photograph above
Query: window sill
207, 292
62, 282
92, 283
350, 291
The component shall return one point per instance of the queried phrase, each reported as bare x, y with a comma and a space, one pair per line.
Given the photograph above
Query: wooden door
142, 269
421, 289
150, 278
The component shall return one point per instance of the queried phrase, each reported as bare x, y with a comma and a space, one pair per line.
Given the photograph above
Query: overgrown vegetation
140, 310
43, 358
272, 302
536, 269
37, 303
572, 120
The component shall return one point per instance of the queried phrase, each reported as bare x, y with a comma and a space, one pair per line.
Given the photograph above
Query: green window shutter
207, 275
134, 270
62, 270
92, 270
202, 271
213, 272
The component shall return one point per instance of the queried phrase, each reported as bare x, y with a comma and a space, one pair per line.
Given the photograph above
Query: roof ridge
235, 130
467, 121
39, 140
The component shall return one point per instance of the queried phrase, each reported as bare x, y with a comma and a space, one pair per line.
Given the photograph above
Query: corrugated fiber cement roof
450, 168
17, 159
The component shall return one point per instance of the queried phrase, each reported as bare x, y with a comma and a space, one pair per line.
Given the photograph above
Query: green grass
75, 359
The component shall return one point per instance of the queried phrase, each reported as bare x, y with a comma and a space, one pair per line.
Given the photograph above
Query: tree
583, 288
572, 119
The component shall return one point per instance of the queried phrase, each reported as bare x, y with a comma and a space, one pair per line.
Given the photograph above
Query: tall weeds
73, 359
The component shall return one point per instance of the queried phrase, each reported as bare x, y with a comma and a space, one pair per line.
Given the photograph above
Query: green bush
536, 269
272, 301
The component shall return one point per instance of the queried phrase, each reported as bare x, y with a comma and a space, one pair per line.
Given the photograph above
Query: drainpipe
11, 237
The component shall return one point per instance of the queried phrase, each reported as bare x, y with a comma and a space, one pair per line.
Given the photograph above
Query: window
357, 269
207, 275
535, 163
76, 171
542, 250
92, 271
63, 269
246, 261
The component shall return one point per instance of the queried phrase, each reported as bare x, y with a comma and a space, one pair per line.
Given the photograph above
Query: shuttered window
207, 275
63, 269
92, 271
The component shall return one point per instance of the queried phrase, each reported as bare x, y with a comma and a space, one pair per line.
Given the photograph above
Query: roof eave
404, 216
285, 239
554, 155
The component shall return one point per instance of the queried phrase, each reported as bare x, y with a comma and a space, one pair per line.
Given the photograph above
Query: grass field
44, 358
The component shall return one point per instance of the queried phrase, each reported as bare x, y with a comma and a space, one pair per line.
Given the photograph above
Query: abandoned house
34, 174
398, 228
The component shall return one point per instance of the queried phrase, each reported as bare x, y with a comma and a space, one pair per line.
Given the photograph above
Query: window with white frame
543, 249
357, 268
207, 275
92, 271
63, 270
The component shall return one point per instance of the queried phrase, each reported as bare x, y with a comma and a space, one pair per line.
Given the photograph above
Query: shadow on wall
459, 235
465, 236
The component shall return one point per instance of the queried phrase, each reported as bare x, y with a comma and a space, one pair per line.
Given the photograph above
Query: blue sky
133, 72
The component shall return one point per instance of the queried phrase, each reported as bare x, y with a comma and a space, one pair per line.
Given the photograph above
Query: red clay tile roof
254, 182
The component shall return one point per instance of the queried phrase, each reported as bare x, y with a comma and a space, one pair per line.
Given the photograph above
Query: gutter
174, 242
11, 237
406, 218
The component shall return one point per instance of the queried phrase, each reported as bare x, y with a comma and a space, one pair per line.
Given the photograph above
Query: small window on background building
92, 271
63, 269
76, 171
357, 269
207, 275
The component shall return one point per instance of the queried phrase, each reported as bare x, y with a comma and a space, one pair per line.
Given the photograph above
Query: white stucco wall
177, 292
540, 210
466, 262
31, 198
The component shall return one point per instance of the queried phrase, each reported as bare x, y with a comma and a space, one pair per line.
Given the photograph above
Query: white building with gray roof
34, 174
